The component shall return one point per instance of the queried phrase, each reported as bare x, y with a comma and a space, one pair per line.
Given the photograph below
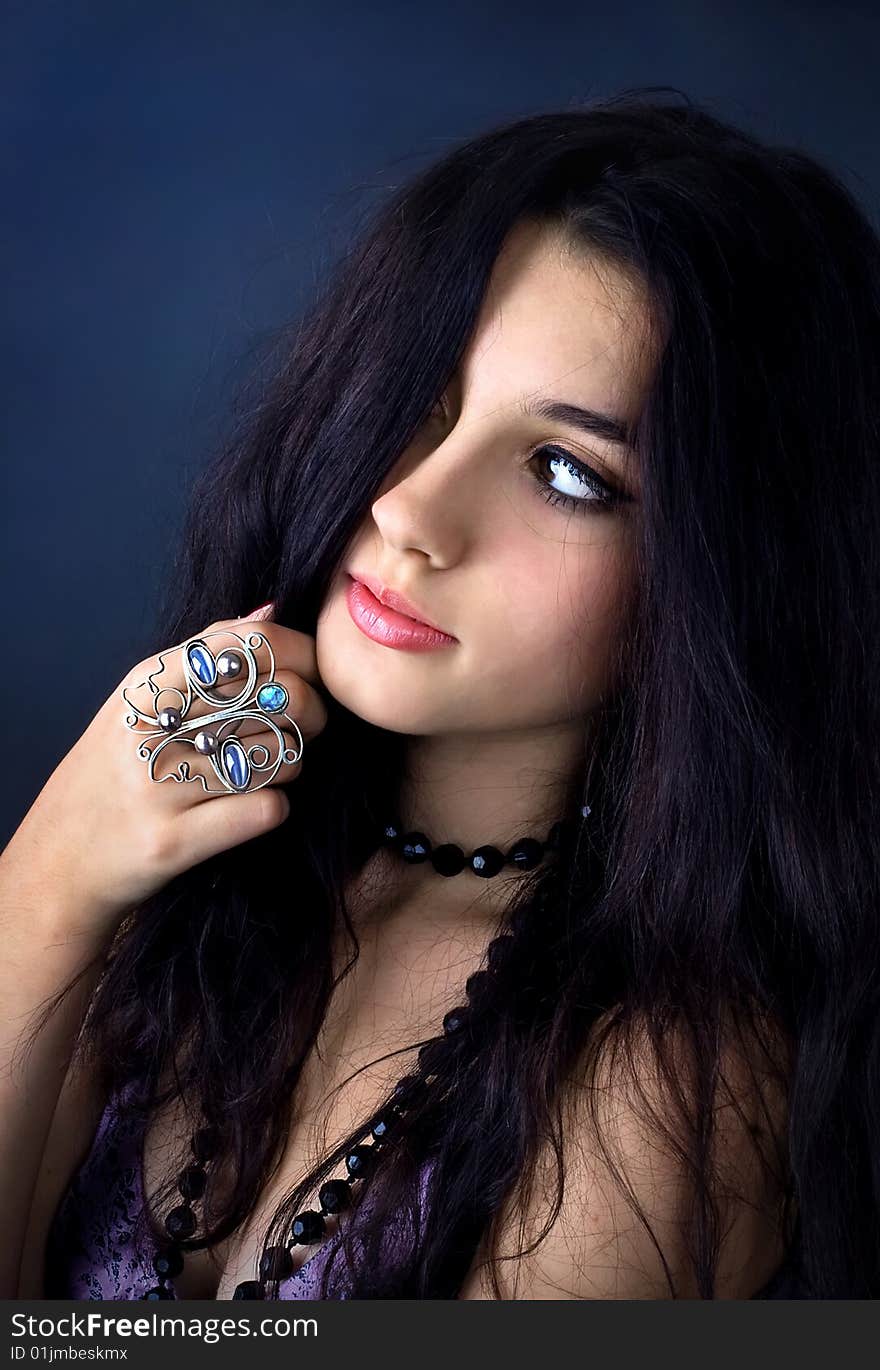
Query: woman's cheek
566, 615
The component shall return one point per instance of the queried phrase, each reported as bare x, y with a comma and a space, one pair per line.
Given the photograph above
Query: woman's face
471, 524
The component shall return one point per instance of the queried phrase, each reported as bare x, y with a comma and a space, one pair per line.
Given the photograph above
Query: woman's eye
582, 489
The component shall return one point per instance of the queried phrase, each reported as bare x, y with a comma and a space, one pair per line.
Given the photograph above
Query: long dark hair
725, 887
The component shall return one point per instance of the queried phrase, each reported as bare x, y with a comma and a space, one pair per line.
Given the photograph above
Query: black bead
168, 1262
408, 1090
391, 834
432, 1056
448, 859
205, 1144
486, 861
415, 847
558, 835
334, 1196
307, 1227
276, 1263
382, 1129
526, 853
250, 1289
180, 1223
360, 1162
192, 1182
499, 951
159, 1292
455, 1020
475, 982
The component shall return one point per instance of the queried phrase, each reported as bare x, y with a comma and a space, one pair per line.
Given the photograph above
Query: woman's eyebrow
589, 420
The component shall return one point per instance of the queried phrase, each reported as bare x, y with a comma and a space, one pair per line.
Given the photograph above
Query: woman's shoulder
625, 1147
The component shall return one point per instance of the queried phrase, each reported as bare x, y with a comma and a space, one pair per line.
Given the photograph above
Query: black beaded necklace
449, 859
308, 1227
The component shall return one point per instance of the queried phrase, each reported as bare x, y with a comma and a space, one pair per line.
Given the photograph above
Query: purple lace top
97, 1249
94, 1250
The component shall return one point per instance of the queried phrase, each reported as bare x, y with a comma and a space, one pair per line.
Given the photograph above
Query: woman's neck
479, 789
390, 895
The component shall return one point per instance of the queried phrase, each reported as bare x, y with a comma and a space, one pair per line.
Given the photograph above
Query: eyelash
605, 496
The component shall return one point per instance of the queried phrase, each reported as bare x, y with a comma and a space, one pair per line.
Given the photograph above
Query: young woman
493, 912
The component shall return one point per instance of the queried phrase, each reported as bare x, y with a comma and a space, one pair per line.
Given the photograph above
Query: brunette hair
726, 883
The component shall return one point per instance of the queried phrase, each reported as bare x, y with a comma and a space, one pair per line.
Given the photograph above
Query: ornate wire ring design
233, 764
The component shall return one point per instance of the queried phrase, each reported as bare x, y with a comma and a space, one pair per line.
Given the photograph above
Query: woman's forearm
42, 952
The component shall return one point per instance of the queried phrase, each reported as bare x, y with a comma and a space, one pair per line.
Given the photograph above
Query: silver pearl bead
206, 743
168, 719
228, 665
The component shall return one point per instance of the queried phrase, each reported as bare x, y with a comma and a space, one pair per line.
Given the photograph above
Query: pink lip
392, 599
389, 626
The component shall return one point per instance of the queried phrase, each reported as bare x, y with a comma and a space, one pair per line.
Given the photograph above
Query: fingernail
261, 612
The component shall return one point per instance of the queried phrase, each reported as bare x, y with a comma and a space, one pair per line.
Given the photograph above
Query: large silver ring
212, 734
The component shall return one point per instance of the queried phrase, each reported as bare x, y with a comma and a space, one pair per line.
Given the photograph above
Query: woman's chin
383, 714
376, 685
370, 700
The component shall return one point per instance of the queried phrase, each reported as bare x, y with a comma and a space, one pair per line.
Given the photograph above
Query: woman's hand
102, 836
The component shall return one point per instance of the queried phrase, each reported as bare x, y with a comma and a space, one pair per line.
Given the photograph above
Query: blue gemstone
272, 697
202, 663
235, 763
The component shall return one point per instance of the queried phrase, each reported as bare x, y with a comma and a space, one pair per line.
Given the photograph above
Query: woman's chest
382, 1009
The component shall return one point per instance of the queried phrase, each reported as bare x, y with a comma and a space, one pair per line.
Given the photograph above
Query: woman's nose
432, 505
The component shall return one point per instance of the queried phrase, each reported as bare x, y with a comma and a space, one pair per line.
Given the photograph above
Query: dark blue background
176, 175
